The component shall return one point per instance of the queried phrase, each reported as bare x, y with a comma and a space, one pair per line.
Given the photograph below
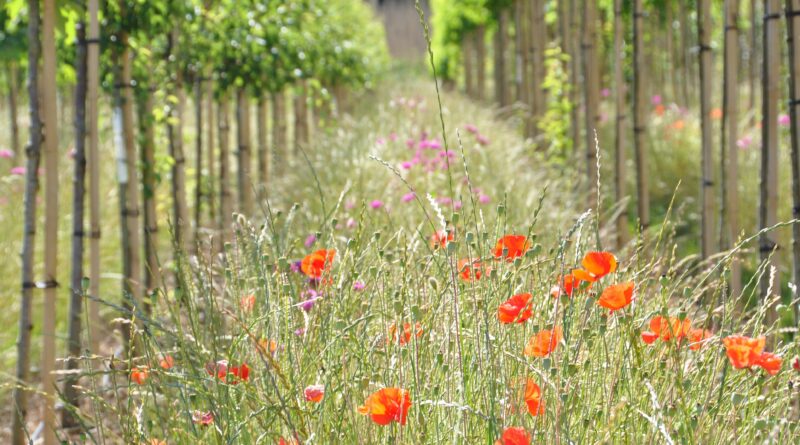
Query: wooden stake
707, 195
619, 143
244, 156
639, 119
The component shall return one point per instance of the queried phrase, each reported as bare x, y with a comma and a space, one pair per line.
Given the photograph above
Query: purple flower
605, 92
6, 153
380, 141
407, 165
408, 197
376, 204
350, 223
300, 332
19, 171
410, 143
444, 200
392, 136
483, 199
358, 286
784, 120
483, 140
349, 204
295, 266
471, 128
457, 205
656, 99
744, 142
310, 240
431, 144
308, 303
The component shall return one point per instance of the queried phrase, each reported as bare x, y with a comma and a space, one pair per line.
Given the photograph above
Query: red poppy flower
665, 329
317, 263
241, 373
516, 309
568, 284
649, 337
291, 441
167, 362
796, 364
387, 405
314, 393
440, 238
514, 245
472, 269
405, 337
514, 436
596, 265
698, 338
248, 302
533, 398
743, 352
543, 343
617, 296
770, 362
140, 374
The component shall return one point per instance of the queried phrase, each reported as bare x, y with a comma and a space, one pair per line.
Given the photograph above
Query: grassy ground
466, 372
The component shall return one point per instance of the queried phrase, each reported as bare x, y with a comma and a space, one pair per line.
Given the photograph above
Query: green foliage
555, 123
451, 20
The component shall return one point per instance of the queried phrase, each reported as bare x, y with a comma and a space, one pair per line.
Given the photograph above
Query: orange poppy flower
770, 362
140, 374
167, 362
514, 436
659, 109
314, 393
533, 398
405, 337
440, 238
568, 284
743, 352
387, 405
472, 269
678, 124
616, 296
516, 309
665, 329
317, 263
268, 345
698, 338
544, 342
248, 302
716, 113
596, 265
514, 245
291, 441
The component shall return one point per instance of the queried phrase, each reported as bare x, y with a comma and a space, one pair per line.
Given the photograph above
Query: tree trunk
12, 106
147, 131
278, 133
707, 162
538, 36
20, 394
639, 118
768, 214
76, 276
754, 69
199, 184
126, 173
592, 98
225, 200
500, 37
51, 158
92, 86
730, 152
685, 53
211, 160
466, 52
793, 36
300, 117
180, 211
619, 143
519, 51
263, 144
243, 133
480, 61
574, 75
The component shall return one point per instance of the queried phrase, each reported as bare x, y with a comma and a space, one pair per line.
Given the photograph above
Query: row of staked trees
547, 60
290, 62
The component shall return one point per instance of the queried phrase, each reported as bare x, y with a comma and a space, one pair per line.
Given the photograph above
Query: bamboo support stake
793, 37
243, 153
592, 98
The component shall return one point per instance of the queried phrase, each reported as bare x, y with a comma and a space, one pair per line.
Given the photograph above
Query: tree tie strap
708, 183
128, 212
789, 13
91, 41
793, 102
773, 16
705, 48
767, 246
49, 284
94, 234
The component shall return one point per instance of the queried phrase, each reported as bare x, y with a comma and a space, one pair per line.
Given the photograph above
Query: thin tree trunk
730, 152
768, 214
480, 61
519, 49
300, 117
278, 132
126, 173
225, 200
33, 150
500, 36
592, 98
619, 143
263, 144
51, 158
12, 106
639, 119
92, 86
147, 130
198, 154
243, 132
538, 36
76, 276
574, 75
707, 150
685, 53
466, 52
211, 160
180, 209
793, 37
754, 69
